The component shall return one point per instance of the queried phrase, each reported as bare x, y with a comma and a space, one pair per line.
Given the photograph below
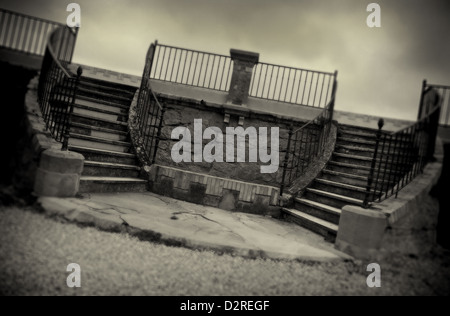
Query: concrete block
54, 184
67, 162
360, 231
58, 174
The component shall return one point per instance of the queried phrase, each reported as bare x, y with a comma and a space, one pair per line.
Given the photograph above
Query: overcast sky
380, 69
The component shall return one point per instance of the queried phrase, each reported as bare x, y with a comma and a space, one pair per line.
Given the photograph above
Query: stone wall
227, 194
181, 112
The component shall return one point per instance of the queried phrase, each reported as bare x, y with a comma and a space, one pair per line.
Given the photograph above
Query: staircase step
347, 190
348, 168
343, 177
107, 87
97, 131
101, 114
103, 95
88, 120
322, 211
105, 169
104, 101
356, 161
98, 143
332, 199
344, 140
113, 109
359, 130
317, 225
91, 184
110, 85
354, 150
99, 155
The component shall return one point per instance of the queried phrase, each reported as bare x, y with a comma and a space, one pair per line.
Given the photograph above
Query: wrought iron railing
190, 67
146, 123
292, 85
57, 87
400, 156
271, 82
26, 33
307, 143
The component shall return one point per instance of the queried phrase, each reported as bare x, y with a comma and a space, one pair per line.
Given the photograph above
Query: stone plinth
59, 173
242, 75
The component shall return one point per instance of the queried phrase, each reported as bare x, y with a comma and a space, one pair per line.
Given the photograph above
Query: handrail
57, 87
400, 156
146, 116
315, 118
53, 54
304, 152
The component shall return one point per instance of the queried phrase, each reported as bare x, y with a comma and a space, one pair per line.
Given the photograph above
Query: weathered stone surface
183, 115
54, 184
62, 161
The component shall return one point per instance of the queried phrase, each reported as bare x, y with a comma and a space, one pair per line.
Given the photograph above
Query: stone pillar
59, 173
360, 231
242, 75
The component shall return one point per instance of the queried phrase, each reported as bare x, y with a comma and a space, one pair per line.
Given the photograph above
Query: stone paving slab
162, 219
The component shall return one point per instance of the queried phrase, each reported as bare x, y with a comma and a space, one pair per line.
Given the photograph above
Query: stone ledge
228, 194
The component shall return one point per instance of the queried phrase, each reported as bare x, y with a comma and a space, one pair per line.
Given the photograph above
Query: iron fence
149, 115
27, 33
292, 85
399, 157
190, 67
307, 143
57, 85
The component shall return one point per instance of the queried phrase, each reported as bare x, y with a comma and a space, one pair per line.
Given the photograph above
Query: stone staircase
342, 182
99, 132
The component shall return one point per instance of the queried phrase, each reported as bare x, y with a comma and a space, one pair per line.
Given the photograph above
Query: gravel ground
35, 251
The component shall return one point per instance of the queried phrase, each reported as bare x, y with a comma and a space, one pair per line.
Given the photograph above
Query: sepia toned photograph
227, 155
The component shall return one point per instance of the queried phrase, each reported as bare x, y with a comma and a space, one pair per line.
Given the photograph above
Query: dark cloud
380, 69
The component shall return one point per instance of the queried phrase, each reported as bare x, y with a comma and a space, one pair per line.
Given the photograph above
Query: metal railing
307, 143
149, 115
292, 85
26, 33
399, 157
57, 87
190, 67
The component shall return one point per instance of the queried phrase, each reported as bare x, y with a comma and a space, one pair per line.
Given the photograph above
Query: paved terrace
161, 219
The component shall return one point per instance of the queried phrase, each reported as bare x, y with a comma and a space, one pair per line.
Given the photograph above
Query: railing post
424, 85
372, 166
286, 159
65, 144
333, 95
158, 134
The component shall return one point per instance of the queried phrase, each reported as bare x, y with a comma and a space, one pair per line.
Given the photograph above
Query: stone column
242, 75
59, 173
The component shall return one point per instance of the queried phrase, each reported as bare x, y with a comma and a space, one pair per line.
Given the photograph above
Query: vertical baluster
372, 166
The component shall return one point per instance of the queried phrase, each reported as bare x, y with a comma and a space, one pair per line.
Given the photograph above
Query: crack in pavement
208, 219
